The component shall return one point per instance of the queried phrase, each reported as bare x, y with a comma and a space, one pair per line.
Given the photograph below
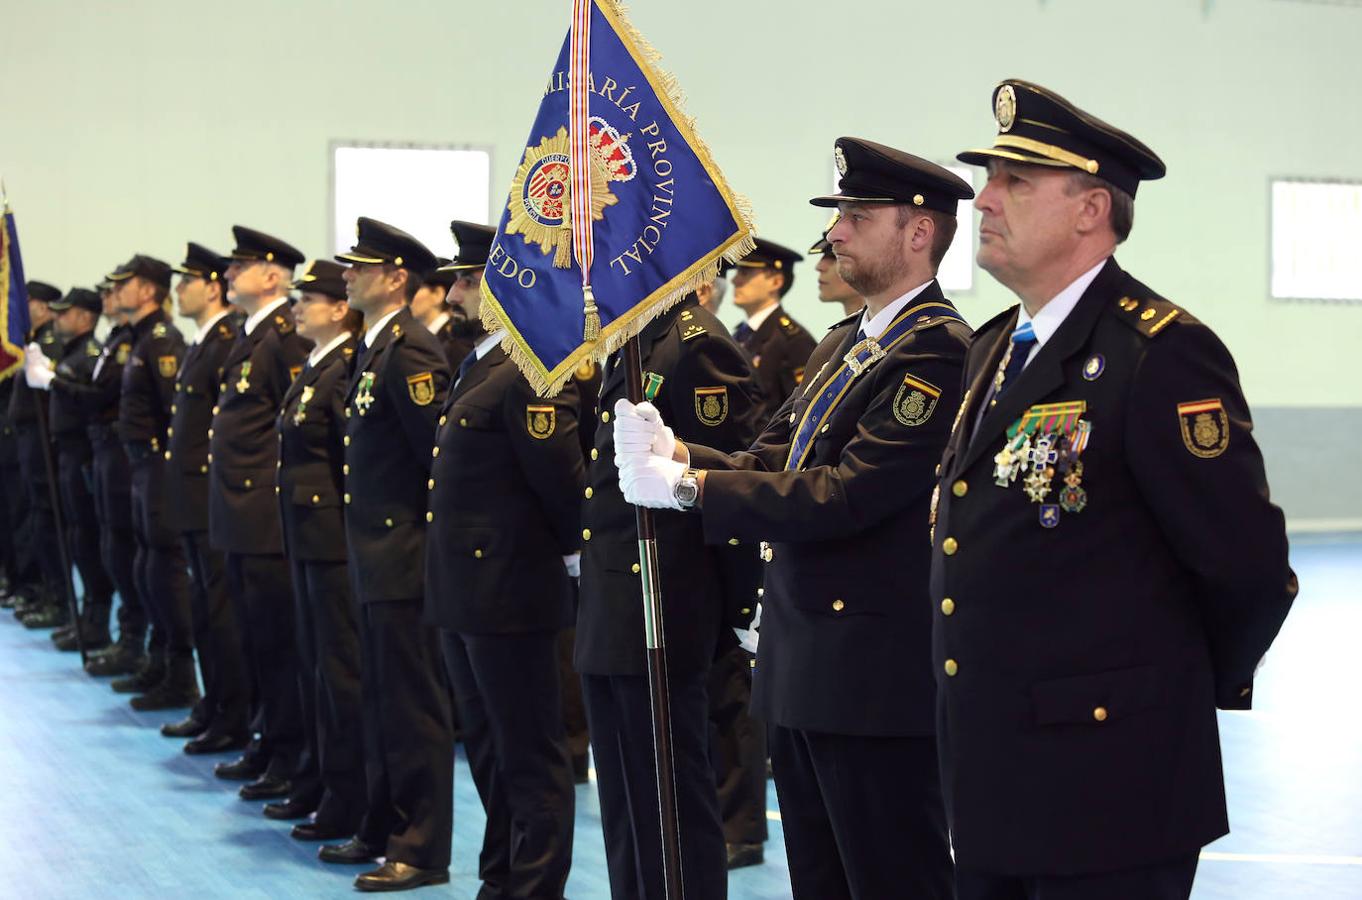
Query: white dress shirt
255, 318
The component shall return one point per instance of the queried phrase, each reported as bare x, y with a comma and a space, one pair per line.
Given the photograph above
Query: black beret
874, 173
379, 242
323, 277
142, 266
769, 255
1039, 127
203, 263
80, 298
43, 292
256, 245
475, 244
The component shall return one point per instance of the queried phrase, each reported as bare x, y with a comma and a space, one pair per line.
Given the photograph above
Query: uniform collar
207, 326
372, 334
487, 343
319, 353
885, 317
757, 319
439, 322
255, 318
1052, 315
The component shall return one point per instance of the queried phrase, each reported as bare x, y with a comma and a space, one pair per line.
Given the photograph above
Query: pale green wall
136, 126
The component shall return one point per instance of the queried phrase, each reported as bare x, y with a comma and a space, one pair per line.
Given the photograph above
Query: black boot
152, 673
94, 629
122, 658
177, 690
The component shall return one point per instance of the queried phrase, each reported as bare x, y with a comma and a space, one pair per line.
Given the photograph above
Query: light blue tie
1023, 339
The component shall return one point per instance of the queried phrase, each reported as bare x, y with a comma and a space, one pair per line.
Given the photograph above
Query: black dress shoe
317, 831
45, 617
119, 659
64, 631
215, 742
266, 787
242, 769
352, 851
289, 809
398, 876
743, 855
147, 677
188, 727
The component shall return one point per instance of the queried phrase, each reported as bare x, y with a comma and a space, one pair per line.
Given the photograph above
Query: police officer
310, 488
1107, 567
243, 516
463, 279
112, 488
694, 370
398, 387
832, 287
45, 605
777, 345
839, 485
76, 315
218, 720
429, 308
142, 285
504, 537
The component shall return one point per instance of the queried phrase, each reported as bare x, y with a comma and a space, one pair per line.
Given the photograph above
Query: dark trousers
262, 601
574, 710
226, 692
82, 533
408, 742
737, 745
161, 572
117, 542
38, 538
863, 816
331, 771
619, 710
1166, 881
13, 509
507, 690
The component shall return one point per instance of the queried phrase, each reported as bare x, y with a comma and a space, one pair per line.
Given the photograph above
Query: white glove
639, 429
650, 480
748, 637
573, 563
37, 368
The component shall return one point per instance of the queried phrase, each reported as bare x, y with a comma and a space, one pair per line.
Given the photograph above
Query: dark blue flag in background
14, 323
663, 215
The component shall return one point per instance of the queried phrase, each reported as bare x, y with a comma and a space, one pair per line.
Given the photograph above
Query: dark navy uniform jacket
187, 443
1081, 654
149, 381
778, 349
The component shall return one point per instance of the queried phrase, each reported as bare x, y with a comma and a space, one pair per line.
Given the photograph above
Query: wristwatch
687, 490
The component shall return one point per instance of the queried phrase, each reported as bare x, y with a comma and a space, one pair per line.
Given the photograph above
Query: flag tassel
591, 328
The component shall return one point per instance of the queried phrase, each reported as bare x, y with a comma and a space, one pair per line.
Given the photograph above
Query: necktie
467, 364
1023, 339
742, 333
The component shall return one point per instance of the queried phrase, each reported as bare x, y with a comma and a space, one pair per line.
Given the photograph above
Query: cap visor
832, 200
356, 258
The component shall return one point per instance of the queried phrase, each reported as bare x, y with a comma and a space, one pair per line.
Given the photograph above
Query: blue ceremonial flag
660, 215
14, 324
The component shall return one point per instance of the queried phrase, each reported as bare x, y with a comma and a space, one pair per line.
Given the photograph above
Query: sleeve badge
421, 388
1205, 427
167, 366
711, 405
916, 401
540, 421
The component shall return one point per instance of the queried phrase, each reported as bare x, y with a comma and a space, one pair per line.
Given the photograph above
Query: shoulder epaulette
847, 321
692, 330
1149, 316
285, 324
223, 330
790, 326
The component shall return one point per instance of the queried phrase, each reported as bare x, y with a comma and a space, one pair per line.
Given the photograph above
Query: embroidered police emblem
421, 388
711, 405
167, 366
1005, 107
1205, 427
121, 356
1094, 367
915, 401
539, 199
540, 421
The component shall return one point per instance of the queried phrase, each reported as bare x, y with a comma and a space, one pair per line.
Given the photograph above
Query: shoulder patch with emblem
711, 405
1205, 427
693, 330
1148, 317
167, 366
916, 401
159, 330
421, 388
541, 420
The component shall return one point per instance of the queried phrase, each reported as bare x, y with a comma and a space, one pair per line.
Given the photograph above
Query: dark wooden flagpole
654, 634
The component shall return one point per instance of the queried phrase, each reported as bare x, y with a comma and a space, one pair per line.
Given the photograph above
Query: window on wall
1316, 229
418, 188
956, 273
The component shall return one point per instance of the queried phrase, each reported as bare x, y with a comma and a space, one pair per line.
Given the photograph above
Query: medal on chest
364, 394
243, 384
300, 414
1048, 440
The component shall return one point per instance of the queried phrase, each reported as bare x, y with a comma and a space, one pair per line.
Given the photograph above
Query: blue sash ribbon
856, 361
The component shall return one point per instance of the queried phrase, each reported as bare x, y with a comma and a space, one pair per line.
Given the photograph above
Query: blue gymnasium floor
95, 803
